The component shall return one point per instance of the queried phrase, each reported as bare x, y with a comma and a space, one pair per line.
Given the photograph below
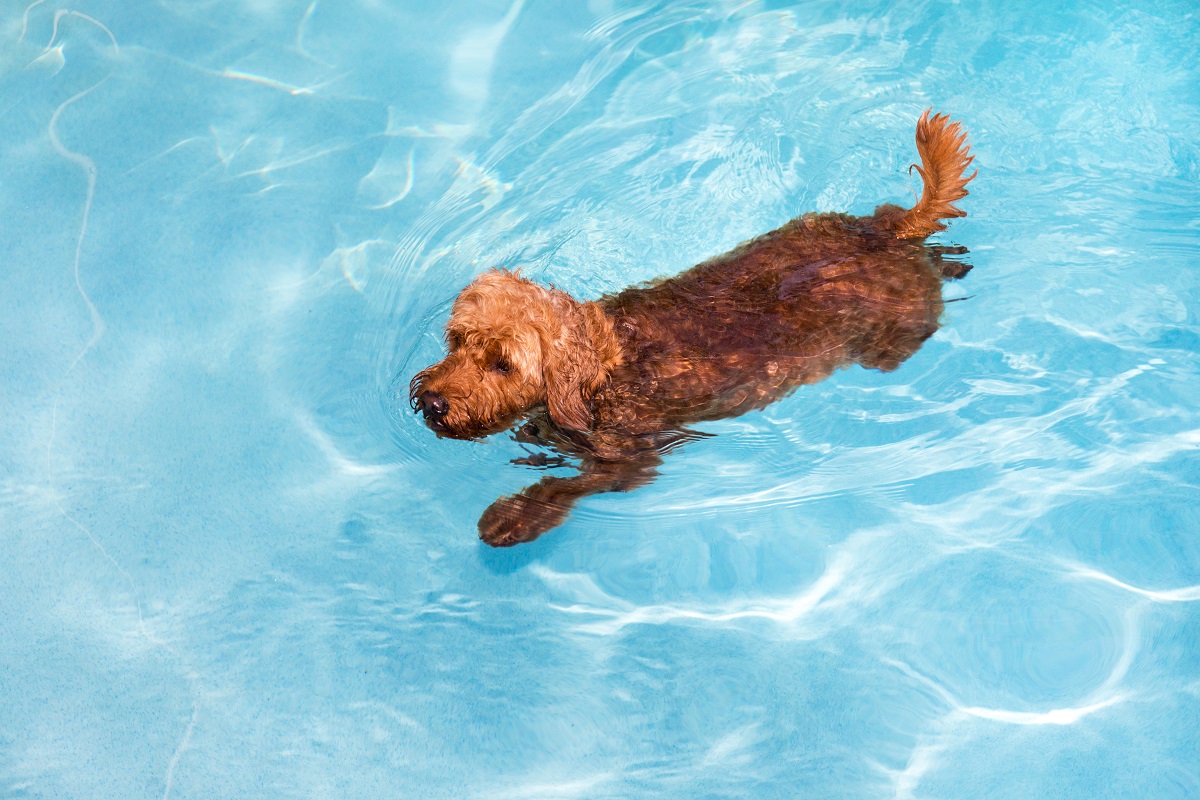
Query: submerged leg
951, 269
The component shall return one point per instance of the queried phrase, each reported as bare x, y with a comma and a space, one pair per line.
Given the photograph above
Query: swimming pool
237, 566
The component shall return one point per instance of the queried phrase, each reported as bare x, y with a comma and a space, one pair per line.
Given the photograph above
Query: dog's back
793, 305
783, 310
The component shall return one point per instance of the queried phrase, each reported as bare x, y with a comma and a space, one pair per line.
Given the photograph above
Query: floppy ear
573, 372
570, 378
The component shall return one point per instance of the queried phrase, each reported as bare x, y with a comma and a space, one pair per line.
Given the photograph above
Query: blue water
236, 566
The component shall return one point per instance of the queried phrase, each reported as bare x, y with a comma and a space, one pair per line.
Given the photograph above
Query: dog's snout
432, 405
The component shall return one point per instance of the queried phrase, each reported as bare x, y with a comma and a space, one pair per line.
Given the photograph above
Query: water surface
236, 566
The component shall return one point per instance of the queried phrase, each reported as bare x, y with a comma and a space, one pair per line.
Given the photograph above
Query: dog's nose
432, 405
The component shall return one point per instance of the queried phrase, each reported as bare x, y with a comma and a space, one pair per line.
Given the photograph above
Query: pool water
236, 565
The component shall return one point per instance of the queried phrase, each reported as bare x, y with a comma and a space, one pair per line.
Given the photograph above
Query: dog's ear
573, 371
570, 380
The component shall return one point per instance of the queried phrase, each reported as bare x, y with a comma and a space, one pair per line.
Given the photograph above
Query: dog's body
616, 381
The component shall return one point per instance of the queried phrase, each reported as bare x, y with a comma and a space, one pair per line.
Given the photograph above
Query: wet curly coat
615, 381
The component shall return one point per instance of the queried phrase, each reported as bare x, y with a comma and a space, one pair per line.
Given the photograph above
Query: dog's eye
501, 366
453, 341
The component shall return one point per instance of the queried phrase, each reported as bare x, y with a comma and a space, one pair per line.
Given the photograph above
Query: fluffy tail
945, 156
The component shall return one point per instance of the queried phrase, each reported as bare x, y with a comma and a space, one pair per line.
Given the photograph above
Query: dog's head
515, 345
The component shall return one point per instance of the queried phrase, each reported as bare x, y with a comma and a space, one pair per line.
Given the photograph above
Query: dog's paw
516, 519
540, 461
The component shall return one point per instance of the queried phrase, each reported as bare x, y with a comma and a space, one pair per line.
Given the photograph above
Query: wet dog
616, 381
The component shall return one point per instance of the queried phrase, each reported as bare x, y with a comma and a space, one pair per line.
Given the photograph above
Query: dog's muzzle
434, 407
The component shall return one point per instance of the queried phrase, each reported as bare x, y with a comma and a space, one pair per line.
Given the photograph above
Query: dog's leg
951, 268
544, 505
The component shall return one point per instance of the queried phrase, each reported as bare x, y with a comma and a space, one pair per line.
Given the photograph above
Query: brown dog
615, 381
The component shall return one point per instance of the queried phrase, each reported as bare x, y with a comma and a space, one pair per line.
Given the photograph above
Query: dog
615, 382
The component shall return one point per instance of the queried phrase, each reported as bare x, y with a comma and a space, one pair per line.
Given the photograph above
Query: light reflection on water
237, 564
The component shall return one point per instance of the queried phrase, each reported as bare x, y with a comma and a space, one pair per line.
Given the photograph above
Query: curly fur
513, 345
616, 381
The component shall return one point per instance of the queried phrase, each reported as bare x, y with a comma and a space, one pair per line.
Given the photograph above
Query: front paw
519, 518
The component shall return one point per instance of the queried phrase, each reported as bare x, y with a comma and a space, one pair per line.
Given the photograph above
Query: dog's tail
945, 156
